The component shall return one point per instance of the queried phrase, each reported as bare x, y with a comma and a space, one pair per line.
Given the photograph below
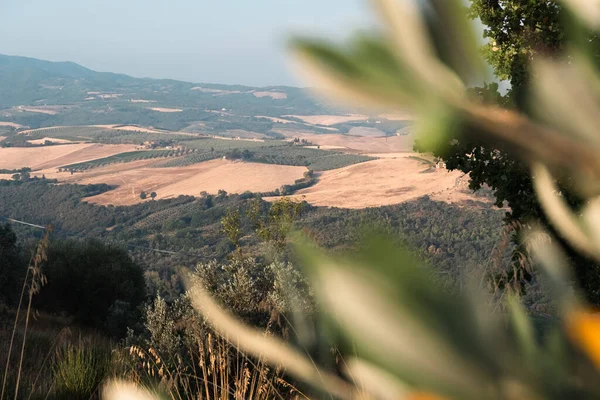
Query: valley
155, 165
351, 171
391, 230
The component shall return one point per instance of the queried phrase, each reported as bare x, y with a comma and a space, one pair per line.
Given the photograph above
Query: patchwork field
111, 134
210, 176
362, 169
131, 128
366, 132
242, 134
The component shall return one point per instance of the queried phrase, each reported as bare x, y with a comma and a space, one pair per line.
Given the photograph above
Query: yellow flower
584, 329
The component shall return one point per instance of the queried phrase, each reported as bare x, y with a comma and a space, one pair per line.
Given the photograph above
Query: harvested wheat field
384, 182
11, 124
389, 144
165, 110
49, 110
366, 132
45, 157
329, 119
132, 128
273, 95
210, 176
243, 134
50, 139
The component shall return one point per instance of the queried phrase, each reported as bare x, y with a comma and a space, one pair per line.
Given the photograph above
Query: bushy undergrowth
189, 360
58, 362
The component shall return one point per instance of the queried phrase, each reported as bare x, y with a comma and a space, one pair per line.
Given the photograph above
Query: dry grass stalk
33, 282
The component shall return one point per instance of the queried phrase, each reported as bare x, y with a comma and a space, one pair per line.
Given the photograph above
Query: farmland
175, 137
356, 144
268, 152
120, 158
314, 159
386, 181
97, 134
210, 144
350, 171
130, 179
45, 157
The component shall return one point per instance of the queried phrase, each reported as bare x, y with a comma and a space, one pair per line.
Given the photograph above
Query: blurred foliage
422, 68
517, 33
400, 333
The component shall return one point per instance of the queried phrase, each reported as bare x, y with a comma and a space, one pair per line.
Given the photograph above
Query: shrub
78, 371
86, 279
191, 361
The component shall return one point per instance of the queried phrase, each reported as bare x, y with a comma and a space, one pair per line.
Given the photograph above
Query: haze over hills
28, 81
105, 123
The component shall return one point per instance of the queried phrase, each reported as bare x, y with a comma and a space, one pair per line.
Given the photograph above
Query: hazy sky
217, 41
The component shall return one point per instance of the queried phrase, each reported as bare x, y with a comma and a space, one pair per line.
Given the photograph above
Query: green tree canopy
12, 266
90, 281
517, 32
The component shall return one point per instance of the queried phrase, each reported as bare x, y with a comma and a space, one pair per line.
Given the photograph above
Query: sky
209, 41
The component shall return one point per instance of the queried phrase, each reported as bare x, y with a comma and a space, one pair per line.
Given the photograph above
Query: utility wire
23, 222
16, 221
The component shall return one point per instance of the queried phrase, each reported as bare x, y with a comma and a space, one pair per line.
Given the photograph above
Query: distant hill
25, 81
38, 93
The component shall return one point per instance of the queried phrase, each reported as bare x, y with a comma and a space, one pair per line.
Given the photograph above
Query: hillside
67, 122
37, 93
91, 95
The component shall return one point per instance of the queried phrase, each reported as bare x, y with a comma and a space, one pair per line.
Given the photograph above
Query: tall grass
34, 280
78, 370
187, 360
40, 362
212, 369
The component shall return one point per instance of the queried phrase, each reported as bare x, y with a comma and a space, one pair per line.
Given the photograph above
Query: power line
23, 222
126, 244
